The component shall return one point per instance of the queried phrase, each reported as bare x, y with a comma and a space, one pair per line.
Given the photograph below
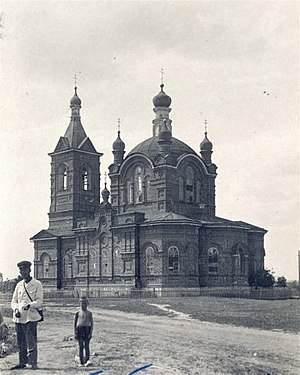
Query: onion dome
206, 144
105, 194
118, 144
162, 99
75, 101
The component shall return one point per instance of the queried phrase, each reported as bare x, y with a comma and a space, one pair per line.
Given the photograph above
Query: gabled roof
87, 145
63, 144
43, 234
71, 140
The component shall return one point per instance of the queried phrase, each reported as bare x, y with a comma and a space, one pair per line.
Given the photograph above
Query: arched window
149, 260
239, 260
62, 177
181, 189
82, 243
213, 259
138, 185
85, 179
118, 263
68, 271
129, 191
65, 180
189, 185
198, 192
46, 263
105, 262
147, 188
93, 262
173, 257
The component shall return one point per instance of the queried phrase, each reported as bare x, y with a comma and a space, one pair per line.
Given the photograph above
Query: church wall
67, 264
151, 236
125, 241
256, 250
105, 251
61, 200
86, 200
211, 197
62, 222
130, 190
45, 262
192, 192
229, 272
72, 202
161, 238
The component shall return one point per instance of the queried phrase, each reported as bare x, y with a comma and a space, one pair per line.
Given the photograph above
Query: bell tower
75, 174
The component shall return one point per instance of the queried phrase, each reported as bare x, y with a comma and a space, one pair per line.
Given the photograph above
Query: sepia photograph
150, 212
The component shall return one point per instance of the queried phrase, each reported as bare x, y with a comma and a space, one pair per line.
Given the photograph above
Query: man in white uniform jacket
27, 298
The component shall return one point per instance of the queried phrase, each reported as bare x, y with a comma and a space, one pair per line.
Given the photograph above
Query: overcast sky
234, 63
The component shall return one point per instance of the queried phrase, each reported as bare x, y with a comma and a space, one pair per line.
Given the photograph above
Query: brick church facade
156, 227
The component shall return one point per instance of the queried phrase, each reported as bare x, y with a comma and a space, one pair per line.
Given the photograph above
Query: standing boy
27, 298
83, 329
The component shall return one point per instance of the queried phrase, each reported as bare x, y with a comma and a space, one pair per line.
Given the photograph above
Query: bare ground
175, 344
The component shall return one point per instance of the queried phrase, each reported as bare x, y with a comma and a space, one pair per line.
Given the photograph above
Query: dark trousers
84, 343
27, 342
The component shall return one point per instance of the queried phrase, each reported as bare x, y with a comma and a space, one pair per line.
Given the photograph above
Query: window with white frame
105, 262
65, 179
150, 260
46, 263
147, 188
173, 259
62, 177
68, 274
129, 191
213, 259
85, 179
138, 185
93, 262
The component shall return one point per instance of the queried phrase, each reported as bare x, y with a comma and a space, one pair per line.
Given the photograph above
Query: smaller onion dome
206, 144
165, 134
105, 193
118, 144
162, 99
75, 101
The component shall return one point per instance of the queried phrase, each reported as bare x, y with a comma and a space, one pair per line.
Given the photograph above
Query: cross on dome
75, 79
162, 75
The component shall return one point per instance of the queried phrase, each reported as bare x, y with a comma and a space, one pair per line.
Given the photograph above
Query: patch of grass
281, 315
264, 314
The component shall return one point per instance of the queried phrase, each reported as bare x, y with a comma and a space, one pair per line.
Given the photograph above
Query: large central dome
150, 148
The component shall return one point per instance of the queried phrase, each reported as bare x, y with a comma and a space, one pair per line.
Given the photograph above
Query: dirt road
176, 345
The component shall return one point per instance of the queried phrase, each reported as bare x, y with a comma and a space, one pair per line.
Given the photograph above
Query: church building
156, 227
